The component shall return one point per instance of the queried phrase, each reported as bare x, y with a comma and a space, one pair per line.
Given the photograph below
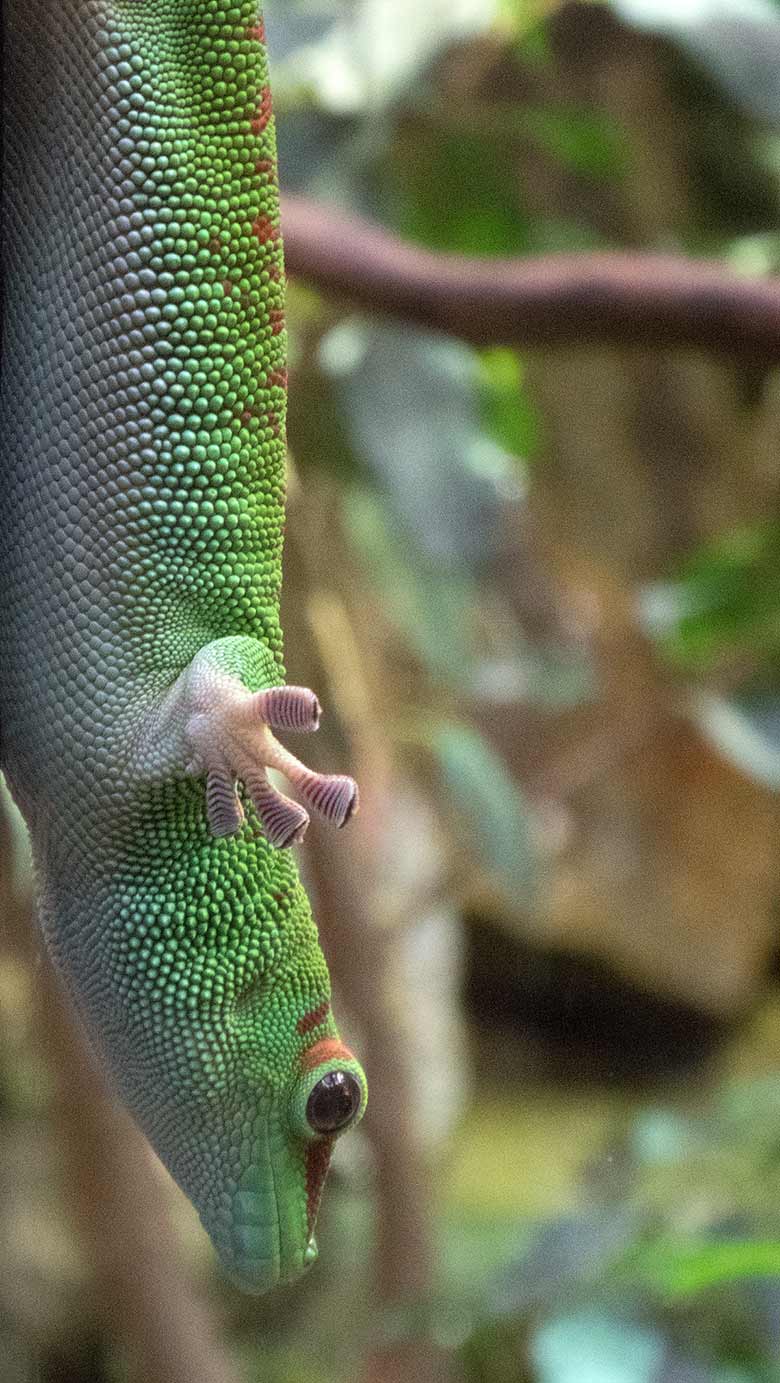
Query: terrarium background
541, 592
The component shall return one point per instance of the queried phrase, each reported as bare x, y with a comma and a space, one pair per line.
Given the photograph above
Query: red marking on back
328, 1049
317, 1163
312, 1020
266, 167
227, 287
276, 318
275, 272
264, 111
246, 416
277, 379
266, 230
215, 244
256, 31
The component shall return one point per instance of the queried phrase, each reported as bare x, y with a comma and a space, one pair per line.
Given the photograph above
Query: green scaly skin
142, 498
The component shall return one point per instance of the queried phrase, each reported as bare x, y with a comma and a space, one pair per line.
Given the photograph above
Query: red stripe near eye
312, 1020
328, 1049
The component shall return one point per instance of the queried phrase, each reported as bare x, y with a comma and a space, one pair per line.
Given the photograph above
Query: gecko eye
330, 1096
334, 1102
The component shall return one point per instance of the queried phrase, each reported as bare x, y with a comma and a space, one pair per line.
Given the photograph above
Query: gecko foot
231, 741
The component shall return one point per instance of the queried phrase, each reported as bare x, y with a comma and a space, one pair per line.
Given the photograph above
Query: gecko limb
214, 724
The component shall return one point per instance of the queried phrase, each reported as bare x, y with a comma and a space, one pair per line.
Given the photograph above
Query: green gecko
141, 677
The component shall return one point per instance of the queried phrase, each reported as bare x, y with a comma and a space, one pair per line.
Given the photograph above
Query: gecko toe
288, 708
223, 805
228, 734
333, 796
283, 821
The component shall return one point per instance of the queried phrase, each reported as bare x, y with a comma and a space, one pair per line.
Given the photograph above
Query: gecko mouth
269, 1242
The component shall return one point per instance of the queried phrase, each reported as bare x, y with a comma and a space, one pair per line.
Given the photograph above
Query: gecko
142, 686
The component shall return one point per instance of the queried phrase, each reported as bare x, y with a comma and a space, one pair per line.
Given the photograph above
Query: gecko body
141, 676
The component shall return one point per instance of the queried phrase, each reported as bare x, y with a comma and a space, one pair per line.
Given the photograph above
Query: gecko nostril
251, 990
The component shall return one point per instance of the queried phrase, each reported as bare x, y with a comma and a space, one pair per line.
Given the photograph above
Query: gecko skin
142, 504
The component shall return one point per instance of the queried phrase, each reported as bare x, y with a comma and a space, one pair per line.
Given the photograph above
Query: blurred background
538, 591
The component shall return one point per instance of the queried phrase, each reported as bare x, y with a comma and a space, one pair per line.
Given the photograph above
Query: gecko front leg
213, 724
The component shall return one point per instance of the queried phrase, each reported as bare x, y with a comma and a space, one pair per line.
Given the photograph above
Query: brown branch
361, 924
556, 300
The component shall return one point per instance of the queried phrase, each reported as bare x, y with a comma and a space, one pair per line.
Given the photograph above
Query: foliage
729, 597
624, 1292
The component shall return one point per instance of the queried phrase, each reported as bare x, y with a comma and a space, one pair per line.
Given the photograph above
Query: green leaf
729, 597
454, 192
681, 1268
495, 812
507, 409
586, 142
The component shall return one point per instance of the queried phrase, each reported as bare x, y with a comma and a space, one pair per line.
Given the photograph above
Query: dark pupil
333, 1102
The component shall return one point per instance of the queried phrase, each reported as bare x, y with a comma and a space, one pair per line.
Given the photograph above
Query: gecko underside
143, 413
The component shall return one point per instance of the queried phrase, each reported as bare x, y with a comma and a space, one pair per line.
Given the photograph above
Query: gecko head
268, 1236
242, 1083
289, 1089
246, 1124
